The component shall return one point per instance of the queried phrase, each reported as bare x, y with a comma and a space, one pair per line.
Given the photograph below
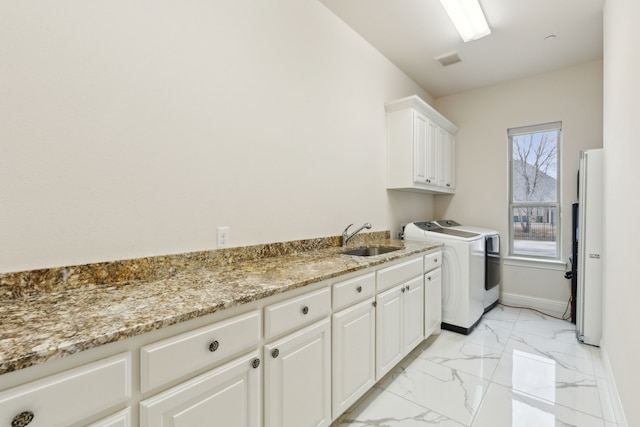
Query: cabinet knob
214, 346
359, 289
374, 303
429, 278
22, 419
408, 287
255, 363
305, 310
428, 180
448, 185
435, 260
403, 290
275, 352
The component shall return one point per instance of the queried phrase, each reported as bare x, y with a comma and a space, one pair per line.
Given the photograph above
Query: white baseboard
549, 306
621, 419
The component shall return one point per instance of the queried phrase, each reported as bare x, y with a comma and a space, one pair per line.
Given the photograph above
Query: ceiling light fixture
468, 18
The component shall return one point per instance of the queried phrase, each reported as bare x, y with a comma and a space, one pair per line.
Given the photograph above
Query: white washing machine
492, 260
463, 263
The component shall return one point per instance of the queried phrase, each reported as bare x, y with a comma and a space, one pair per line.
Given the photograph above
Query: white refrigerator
589, 236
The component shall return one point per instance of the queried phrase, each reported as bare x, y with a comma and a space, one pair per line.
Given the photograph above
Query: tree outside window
534, 187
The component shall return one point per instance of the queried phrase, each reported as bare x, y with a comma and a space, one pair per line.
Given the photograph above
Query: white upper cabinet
421, 148
446, 155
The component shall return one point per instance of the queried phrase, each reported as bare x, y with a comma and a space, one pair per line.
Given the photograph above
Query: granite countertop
43, 317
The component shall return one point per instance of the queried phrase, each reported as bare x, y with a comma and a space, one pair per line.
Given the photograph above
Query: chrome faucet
346, 236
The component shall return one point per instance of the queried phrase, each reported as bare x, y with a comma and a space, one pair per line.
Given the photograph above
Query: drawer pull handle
359, 289
22, 419
214, 346
255, 363
305, 310
275, 353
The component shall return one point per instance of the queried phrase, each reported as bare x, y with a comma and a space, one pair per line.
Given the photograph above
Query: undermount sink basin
370, 251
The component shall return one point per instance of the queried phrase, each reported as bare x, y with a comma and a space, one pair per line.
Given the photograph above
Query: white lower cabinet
120, 419
399, 323
229, 395
323, 350
354, 345
298, 378
203, 347
413, 314
69, 397
389, 332
433, 302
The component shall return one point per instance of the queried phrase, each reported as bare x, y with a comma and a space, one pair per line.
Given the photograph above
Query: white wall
573, 96
621, 252
134, 128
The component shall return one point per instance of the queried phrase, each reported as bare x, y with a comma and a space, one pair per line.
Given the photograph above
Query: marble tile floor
518, 368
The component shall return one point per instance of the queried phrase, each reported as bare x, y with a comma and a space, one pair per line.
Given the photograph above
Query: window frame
525, 130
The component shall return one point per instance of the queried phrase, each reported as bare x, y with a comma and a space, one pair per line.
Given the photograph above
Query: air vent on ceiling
448, 59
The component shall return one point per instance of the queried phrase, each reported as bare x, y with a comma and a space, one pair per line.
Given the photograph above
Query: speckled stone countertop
51, 313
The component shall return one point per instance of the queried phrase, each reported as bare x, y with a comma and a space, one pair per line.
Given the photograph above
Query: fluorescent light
468, 18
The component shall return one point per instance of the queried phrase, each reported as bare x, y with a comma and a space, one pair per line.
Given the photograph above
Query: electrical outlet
224, 237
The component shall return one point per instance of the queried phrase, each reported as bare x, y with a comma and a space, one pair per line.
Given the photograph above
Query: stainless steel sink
370, 251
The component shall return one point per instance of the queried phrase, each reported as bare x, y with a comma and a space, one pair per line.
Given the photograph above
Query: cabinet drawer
390, 276
71, 396
178, 356
354, 290
432, 260
295, 312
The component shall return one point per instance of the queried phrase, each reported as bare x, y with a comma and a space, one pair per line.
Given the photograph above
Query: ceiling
411, 33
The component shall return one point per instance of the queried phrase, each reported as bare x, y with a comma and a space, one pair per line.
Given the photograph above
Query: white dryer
492, 260
463, 263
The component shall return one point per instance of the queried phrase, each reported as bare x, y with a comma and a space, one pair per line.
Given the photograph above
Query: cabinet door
446, 148
226, 396
413, 313
353, 368
298, 378
451, 175
433, 154
420, 144
389, 330
433, 302
120, 419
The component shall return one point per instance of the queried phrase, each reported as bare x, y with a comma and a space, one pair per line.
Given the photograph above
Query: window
534, 191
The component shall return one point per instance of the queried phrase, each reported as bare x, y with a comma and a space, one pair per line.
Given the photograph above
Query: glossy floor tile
517, 368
